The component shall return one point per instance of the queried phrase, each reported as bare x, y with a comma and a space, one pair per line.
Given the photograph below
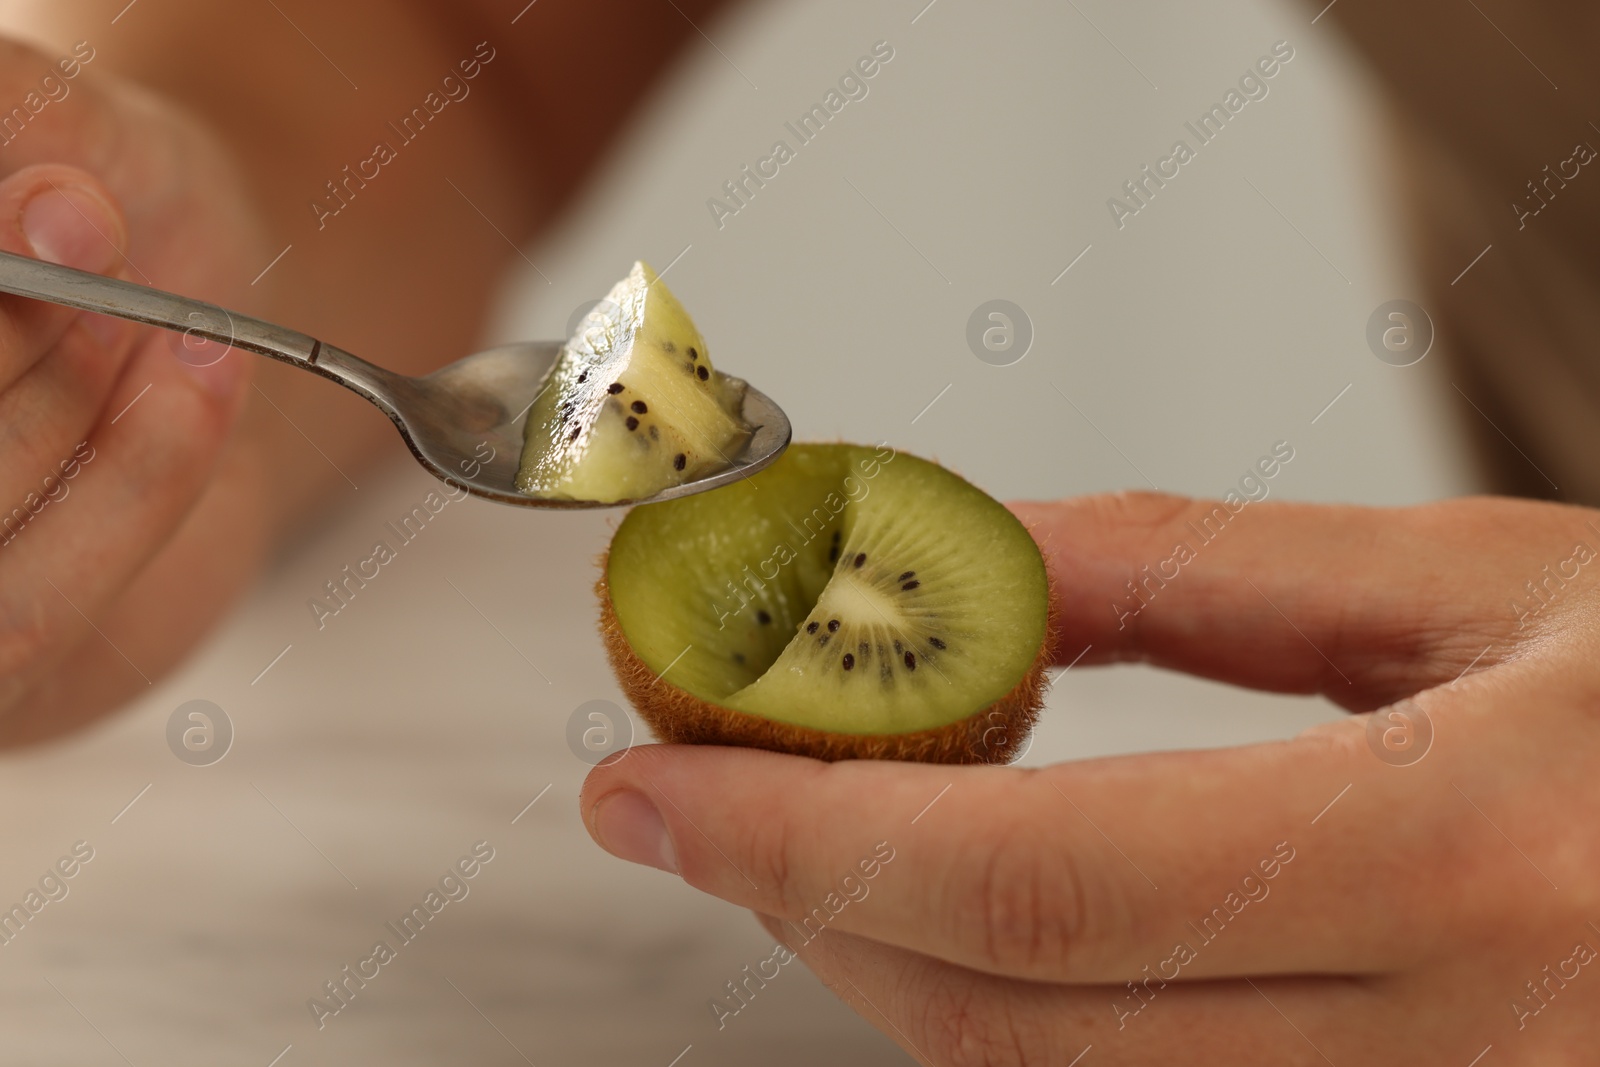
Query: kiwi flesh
847, 602
633, 404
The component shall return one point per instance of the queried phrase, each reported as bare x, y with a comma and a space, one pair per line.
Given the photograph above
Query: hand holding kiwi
1379, 890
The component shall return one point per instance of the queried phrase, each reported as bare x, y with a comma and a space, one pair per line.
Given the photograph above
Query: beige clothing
1493, 121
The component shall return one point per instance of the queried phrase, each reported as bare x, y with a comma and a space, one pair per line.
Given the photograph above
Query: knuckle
1027, 904
770, 861
175, 427
1141, 509
782, 851
25, 637
963, 1024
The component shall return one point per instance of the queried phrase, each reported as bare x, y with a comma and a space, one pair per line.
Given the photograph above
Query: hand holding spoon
445, 417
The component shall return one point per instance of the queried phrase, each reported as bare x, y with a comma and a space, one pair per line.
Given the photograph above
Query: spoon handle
56, 284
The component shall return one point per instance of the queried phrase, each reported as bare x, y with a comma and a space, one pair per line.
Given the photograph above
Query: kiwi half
847, 602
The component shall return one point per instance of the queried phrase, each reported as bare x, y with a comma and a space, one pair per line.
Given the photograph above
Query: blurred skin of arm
402, 275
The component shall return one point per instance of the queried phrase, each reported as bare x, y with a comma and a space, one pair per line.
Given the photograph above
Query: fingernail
630, 828
72, 226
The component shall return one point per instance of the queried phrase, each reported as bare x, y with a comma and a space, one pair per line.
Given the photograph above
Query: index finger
1363, 605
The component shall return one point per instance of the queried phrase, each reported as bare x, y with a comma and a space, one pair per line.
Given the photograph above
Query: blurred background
367, 756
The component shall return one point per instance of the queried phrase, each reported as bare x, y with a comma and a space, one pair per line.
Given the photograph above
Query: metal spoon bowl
464, 422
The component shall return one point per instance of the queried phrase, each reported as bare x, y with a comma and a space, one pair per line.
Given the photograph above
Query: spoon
446, 417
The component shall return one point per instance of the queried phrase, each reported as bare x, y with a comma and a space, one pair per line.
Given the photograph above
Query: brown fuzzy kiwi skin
993, 735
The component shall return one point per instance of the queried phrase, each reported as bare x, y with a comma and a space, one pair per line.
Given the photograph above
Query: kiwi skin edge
989, 735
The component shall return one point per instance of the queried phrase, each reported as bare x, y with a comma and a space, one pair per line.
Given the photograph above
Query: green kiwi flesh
849, 601
633, 405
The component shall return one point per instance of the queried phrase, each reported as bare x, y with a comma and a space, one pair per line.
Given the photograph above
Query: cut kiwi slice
633, 406
847, 602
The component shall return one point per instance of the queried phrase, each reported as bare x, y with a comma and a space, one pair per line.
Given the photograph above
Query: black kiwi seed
763, 618
811, 627
633, 423
849, 661
576, 430
935, 642
833, 625
912, 584
679, 461
583, 376
640, 407
614, 388
911, 661
861, 557
908, 574
702, 373
692, 353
